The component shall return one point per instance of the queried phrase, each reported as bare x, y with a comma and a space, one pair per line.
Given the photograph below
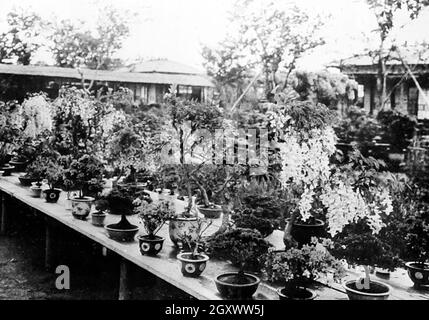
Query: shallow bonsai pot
52, 195
420, 276
301, 294
150, 246
229, 288
211, 213
178, 226
302, 233
378, 291
383, 273
36, 191
7, 170
192, 267
81, 207
19, 165
97, 219
26, 181
121, 235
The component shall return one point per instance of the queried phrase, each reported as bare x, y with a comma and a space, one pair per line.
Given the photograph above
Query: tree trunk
287, 237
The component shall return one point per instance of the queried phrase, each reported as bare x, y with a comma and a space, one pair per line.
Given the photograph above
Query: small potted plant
98, 216
35, 175
416, 229
361, 247
153, 217
194, 261
244, 248
79, 174
53, 173
123, 200
296, 268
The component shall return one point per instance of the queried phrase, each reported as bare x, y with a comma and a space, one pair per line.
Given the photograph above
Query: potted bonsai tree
123, 200
359, 246
98, 216
35, 173
153, 216
79, 174
10, 131
194, 261
53, 173
244, 248
296, 268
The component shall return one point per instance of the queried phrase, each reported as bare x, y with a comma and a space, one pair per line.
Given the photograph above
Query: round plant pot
192, 267
417, 274
211, 213
229, 286
300, 294
52, 195
302, 233
81, 207
1, 173
378, 291
178, 226
35, 191
121, 235
26, 181
97, 219
383, 273
7, 170
150, 246
20, 166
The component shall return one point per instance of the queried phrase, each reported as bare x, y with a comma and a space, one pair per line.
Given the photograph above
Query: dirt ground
92, 276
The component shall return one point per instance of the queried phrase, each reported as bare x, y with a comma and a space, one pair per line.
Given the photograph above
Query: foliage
295, 268
19, 43
243, 247
324, 87
77, 46
87, 169
154, 215
36, 113
124, 199
397, 129
196, 243
10, 127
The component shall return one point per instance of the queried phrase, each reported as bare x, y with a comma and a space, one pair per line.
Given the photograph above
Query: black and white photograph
214, 155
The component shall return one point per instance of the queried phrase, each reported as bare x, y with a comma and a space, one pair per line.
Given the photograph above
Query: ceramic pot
229, 287
301, 294
36, 191
192, 267
20, 166
81, 207
150, 246
178, 226
211, 213
302, 233
97, 219
52, 195
7, 170
121, 235
378, 291
417, 274
26, 181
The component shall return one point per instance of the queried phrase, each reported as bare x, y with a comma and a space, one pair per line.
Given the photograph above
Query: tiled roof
109, 76
163, 66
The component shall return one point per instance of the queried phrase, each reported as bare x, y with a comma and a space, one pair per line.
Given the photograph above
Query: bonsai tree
122, 199
82, 172
243, 247
359, 246
52, 172
10, 128
196, 245
296, 268
154, 216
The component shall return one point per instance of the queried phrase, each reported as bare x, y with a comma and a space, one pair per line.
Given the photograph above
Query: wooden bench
165, 266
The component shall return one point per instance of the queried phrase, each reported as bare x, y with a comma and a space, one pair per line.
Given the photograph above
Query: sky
176, 30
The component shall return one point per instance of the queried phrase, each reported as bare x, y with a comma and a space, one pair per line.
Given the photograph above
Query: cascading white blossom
38, 116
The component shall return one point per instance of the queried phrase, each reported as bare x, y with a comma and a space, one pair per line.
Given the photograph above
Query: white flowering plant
339, 194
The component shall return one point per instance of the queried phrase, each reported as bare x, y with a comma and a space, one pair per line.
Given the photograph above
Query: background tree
19, 42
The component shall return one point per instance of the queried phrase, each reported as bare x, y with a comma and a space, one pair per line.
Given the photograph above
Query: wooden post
3, 215
124, 280
49, 247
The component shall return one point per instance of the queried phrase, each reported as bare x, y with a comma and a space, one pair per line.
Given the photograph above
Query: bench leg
3, 215
49, 246
125, 290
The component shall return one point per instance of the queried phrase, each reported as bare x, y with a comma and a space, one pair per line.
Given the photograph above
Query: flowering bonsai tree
86, 170
296, 268
195, 244
154, 216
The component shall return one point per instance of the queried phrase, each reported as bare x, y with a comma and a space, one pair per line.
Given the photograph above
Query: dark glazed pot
52, 195
228, 286
302, 233
26, 181
211, 213
150, 246
7, 170
121, 235
301, 294
20, 166
417, 274
97, 219
192, 267
378, 291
